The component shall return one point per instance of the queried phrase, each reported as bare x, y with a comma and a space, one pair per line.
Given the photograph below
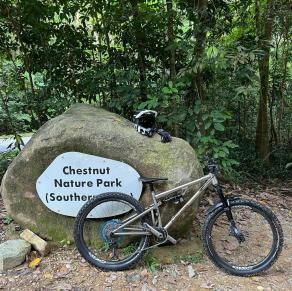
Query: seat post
153, 193
151, 187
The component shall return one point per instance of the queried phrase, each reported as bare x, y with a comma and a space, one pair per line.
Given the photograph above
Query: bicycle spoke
257, 233
102, 243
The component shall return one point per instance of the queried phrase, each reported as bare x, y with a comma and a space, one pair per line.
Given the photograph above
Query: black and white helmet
144, 121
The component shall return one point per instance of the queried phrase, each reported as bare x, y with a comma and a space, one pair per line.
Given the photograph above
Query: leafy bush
156, 55
5, 160
202, 125
250, 165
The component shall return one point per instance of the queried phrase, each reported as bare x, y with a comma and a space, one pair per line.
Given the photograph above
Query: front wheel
255, 244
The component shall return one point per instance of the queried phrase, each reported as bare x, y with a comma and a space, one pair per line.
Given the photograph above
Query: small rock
111, 278
38, 243
64, 286
207, 286
13, 253
191, 271
145, 287
132, 278
3, 282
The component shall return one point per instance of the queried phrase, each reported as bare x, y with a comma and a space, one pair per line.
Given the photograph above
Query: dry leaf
34, 263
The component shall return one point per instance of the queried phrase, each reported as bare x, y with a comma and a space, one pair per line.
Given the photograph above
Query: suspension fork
233, 229
225, 203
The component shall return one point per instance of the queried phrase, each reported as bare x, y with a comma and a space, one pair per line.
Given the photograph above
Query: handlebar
212, 164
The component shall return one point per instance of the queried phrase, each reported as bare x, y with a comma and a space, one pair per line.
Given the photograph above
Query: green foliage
280, 156
7, 220
209, 139
151, 263
195, 64
65, 243
193, 259
5, 160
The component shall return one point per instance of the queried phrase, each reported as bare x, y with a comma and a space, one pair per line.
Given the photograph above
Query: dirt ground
64, 269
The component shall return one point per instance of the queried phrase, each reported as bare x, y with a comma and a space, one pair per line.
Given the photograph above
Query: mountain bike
240, 236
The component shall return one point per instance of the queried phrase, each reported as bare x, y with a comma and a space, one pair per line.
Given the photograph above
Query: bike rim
260, 234
94, 234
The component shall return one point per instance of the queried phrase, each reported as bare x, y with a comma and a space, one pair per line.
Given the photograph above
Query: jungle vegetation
218, 72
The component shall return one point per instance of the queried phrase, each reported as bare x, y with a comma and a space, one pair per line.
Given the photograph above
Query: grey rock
84, 128
111, 278
192, 273
133, 278
13, 253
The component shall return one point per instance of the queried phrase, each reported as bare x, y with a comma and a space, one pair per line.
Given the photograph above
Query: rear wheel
262, 233
94, 237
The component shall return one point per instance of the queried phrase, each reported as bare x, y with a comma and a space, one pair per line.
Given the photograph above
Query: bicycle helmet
144, 121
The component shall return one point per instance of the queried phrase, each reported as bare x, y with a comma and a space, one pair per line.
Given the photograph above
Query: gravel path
63, 269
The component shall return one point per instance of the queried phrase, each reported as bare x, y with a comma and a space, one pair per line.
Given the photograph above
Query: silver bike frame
208, 179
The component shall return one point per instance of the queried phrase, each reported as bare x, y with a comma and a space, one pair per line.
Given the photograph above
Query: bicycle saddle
146, 180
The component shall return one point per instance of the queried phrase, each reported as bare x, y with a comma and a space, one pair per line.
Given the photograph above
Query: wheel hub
106, 231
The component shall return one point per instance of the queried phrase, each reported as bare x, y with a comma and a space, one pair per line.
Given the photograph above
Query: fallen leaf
34, 263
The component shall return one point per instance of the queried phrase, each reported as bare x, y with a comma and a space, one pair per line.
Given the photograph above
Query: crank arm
153, 230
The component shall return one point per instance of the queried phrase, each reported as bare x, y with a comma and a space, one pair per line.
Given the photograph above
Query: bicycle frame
209, 179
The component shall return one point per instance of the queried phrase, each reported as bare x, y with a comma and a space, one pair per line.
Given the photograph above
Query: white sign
73, 178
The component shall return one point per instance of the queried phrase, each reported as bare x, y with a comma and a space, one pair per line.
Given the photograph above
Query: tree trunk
171, 38
172, 69
273, 132
287, 38
264, 25
111, 58
198, 89
140, 49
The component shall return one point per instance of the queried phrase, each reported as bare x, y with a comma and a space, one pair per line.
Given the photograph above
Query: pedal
171, 239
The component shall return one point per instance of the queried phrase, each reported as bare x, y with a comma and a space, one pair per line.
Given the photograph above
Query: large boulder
84, 128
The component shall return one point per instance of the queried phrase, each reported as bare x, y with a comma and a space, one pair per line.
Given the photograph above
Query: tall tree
200, 28
171, 38
264, 23
139, 36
